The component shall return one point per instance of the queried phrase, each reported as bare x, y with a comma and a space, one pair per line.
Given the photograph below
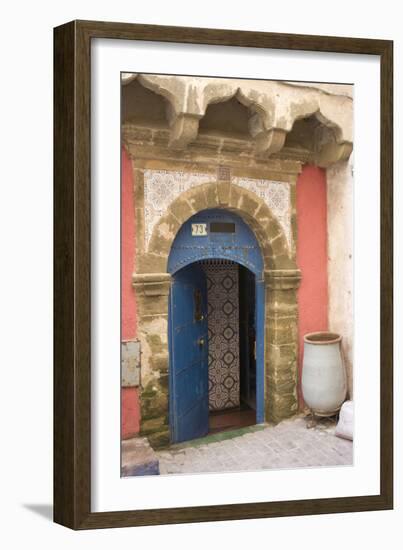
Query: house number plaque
199, 229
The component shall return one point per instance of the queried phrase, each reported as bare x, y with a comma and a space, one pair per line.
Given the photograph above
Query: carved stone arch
142, 107
251, 208
275, 107
281, 280
153, 83
327, 123
225, 90
331, 144
183, 123
217, 93
323, 123
268, 140
327, 138
226, 115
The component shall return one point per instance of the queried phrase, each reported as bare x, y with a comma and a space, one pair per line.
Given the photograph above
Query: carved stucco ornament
183, 111
274, 106
331, 153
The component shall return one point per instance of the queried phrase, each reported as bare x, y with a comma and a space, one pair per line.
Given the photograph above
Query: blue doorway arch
214, 234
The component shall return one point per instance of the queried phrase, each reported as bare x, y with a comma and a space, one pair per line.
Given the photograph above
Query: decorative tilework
223, 331
162, 187
276, 195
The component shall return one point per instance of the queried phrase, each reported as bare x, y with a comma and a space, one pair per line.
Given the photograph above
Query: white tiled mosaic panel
276, 195
162, 187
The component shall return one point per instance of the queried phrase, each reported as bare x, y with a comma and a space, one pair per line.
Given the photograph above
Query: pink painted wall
130, 412
130, 396
128, 250
311, 255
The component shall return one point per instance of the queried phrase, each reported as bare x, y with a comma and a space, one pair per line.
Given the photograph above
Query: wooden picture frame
72, 273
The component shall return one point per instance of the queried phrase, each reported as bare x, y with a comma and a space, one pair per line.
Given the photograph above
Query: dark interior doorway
231, 345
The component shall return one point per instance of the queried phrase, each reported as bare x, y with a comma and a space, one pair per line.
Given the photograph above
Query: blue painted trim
241, 247
171, 416
260, 328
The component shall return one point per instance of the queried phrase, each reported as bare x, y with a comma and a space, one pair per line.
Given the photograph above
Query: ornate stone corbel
184, 129
152, 284
267, 141
183, 107
270, 141
331, 153
282, 279
152, 291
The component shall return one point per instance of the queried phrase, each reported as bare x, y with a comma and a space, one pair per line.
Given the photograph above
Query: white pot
324, 384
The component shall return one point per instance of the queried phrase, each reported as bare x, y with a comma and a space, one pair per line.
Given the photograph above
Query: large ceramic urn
324, 384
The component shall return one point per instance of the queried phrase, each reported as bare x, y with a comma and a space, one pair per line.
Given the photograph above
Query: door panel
189, 352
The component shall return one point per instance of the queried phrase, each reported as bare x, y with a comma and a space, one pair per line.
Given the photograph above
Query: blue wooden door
189, 413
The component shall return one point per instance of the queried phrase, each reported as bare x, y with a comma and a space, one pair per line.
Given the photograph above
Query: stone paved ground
288, 445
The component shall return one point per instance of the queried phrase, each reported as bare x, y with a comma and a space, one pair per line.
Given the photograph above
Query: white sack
345, 426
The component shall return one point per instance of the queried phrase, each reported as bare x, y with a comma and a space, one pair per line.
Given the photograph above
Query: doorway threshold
231, 419
219, 436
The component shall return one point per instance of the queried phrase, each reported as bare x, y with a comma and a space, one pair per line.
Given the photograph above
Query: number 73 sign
199, 229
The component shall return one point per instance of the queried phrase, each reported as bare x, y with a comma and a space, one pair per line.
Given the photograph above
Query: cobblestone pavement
288, 445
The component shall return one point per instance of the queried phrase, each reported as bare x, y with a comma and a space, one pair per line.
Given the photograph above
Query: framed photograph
223, 275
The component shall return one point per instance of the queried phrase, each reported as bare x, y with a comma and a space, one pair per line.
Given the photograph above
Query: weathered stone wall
152, 293
340, 251
281, 343
183, 162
